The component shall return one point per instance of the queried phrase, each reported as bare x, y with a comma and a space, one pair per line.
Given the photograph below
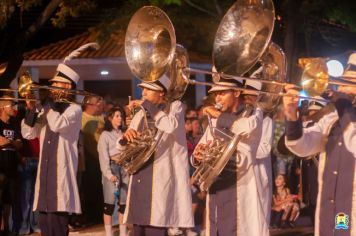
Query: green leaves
72, 8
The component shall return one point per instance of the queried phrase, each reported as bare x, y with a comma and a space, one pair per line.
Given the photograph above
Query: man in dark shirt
10, 143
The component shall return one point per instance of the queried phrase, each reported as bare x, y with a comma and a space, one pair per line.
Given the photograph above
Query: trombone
315, 78
26, 87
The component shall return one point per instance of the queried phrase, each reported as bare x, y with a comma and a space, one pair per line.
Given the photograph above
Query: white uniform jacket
335, 139
250, 214
61, 182
171, 203
264, 166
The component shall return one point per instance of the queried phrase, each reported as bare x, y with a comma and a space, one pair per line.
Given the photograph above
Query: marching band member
159, 193
263, 155
334, 136
233, 204
57, 125
308, 184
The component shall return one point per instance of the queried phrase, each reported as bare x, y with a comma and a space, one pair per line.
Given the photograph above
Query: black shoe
292, 224
75, 227
284, 224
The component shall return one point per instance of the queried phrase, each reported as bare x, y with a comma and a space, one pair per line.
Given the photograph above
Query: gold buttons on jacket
339, 143
332, 201
138, 181
335, 172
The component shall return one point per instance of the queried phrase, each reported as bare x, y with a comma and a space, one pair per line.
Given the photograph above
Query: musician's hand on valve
290, 102
199, 151
212, 111
130, 135
134, 104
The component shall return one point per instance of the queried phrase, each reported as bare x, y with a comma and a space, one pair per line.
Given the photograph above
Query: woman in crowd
114, 178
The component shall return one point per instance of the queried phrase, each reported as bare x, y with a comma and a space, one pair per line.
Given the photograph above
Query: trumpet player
57, 125
233, 205
334, 136
159, 193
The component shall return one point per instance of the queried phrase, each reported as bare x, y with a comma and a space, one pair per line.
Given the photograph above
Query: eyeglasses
14, 105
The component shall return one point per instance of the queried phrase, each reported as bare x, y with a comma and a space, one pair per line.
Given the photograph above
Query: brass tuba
216, 156
151, 51
241, 40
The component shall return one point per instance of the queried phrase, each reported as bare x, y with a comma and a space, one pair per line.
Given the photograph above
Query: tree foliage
195, 21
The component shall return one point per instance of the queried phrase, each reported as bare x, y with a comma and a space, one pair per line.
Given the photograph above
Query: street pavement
98, 230
303, 228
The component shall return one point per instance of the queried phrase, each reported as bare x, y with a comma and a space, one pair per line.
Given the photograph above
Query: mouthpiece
218, 106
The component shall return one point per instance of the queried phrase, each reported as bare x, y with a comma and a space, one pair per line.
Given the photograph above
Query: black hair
110, 114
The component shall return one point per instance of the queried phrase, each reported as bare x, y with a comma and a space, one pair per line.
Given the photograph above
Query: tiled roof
112, 47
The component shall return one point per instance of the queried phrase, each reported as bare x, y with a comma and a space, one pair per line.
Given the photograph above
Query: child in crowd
285, 206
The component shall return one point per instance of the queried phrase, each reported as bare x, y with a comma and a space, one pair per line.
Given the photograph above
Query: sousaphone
151, 51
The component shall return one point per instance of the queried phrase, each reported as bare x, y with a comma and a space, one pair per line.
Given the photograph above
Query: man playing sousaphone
159, 193
334, 136
233, 204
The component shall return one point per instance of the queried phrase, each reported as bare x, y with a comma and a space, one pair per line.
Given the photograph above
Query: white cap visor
222, 86
151, 86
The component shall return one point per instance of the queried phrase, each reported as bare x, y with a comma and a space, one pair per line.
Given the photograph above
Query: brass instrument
241, 29
315, 80
27, 87
216, 156
138, 152
151, 51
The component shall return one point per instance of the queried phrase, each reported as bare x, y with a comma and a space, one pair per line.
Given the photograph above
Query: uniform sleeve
265, 146
249, 130
104, 157
29, 132
246, 125
168, 123
62, 123
308, 141
348, 124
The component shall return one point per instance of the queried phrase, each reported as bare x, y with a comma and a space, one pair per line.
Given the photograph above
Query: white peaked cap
65, 74
162, 84
213, 69
253, 85
350, 72
352, 59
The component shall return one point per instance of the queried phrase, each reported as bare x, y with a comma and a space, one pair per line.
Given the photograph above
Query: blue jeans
109, 187
24, 219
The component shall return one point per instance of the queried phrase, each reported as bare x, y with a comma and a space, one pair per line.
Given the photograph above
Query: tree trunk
16, 45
